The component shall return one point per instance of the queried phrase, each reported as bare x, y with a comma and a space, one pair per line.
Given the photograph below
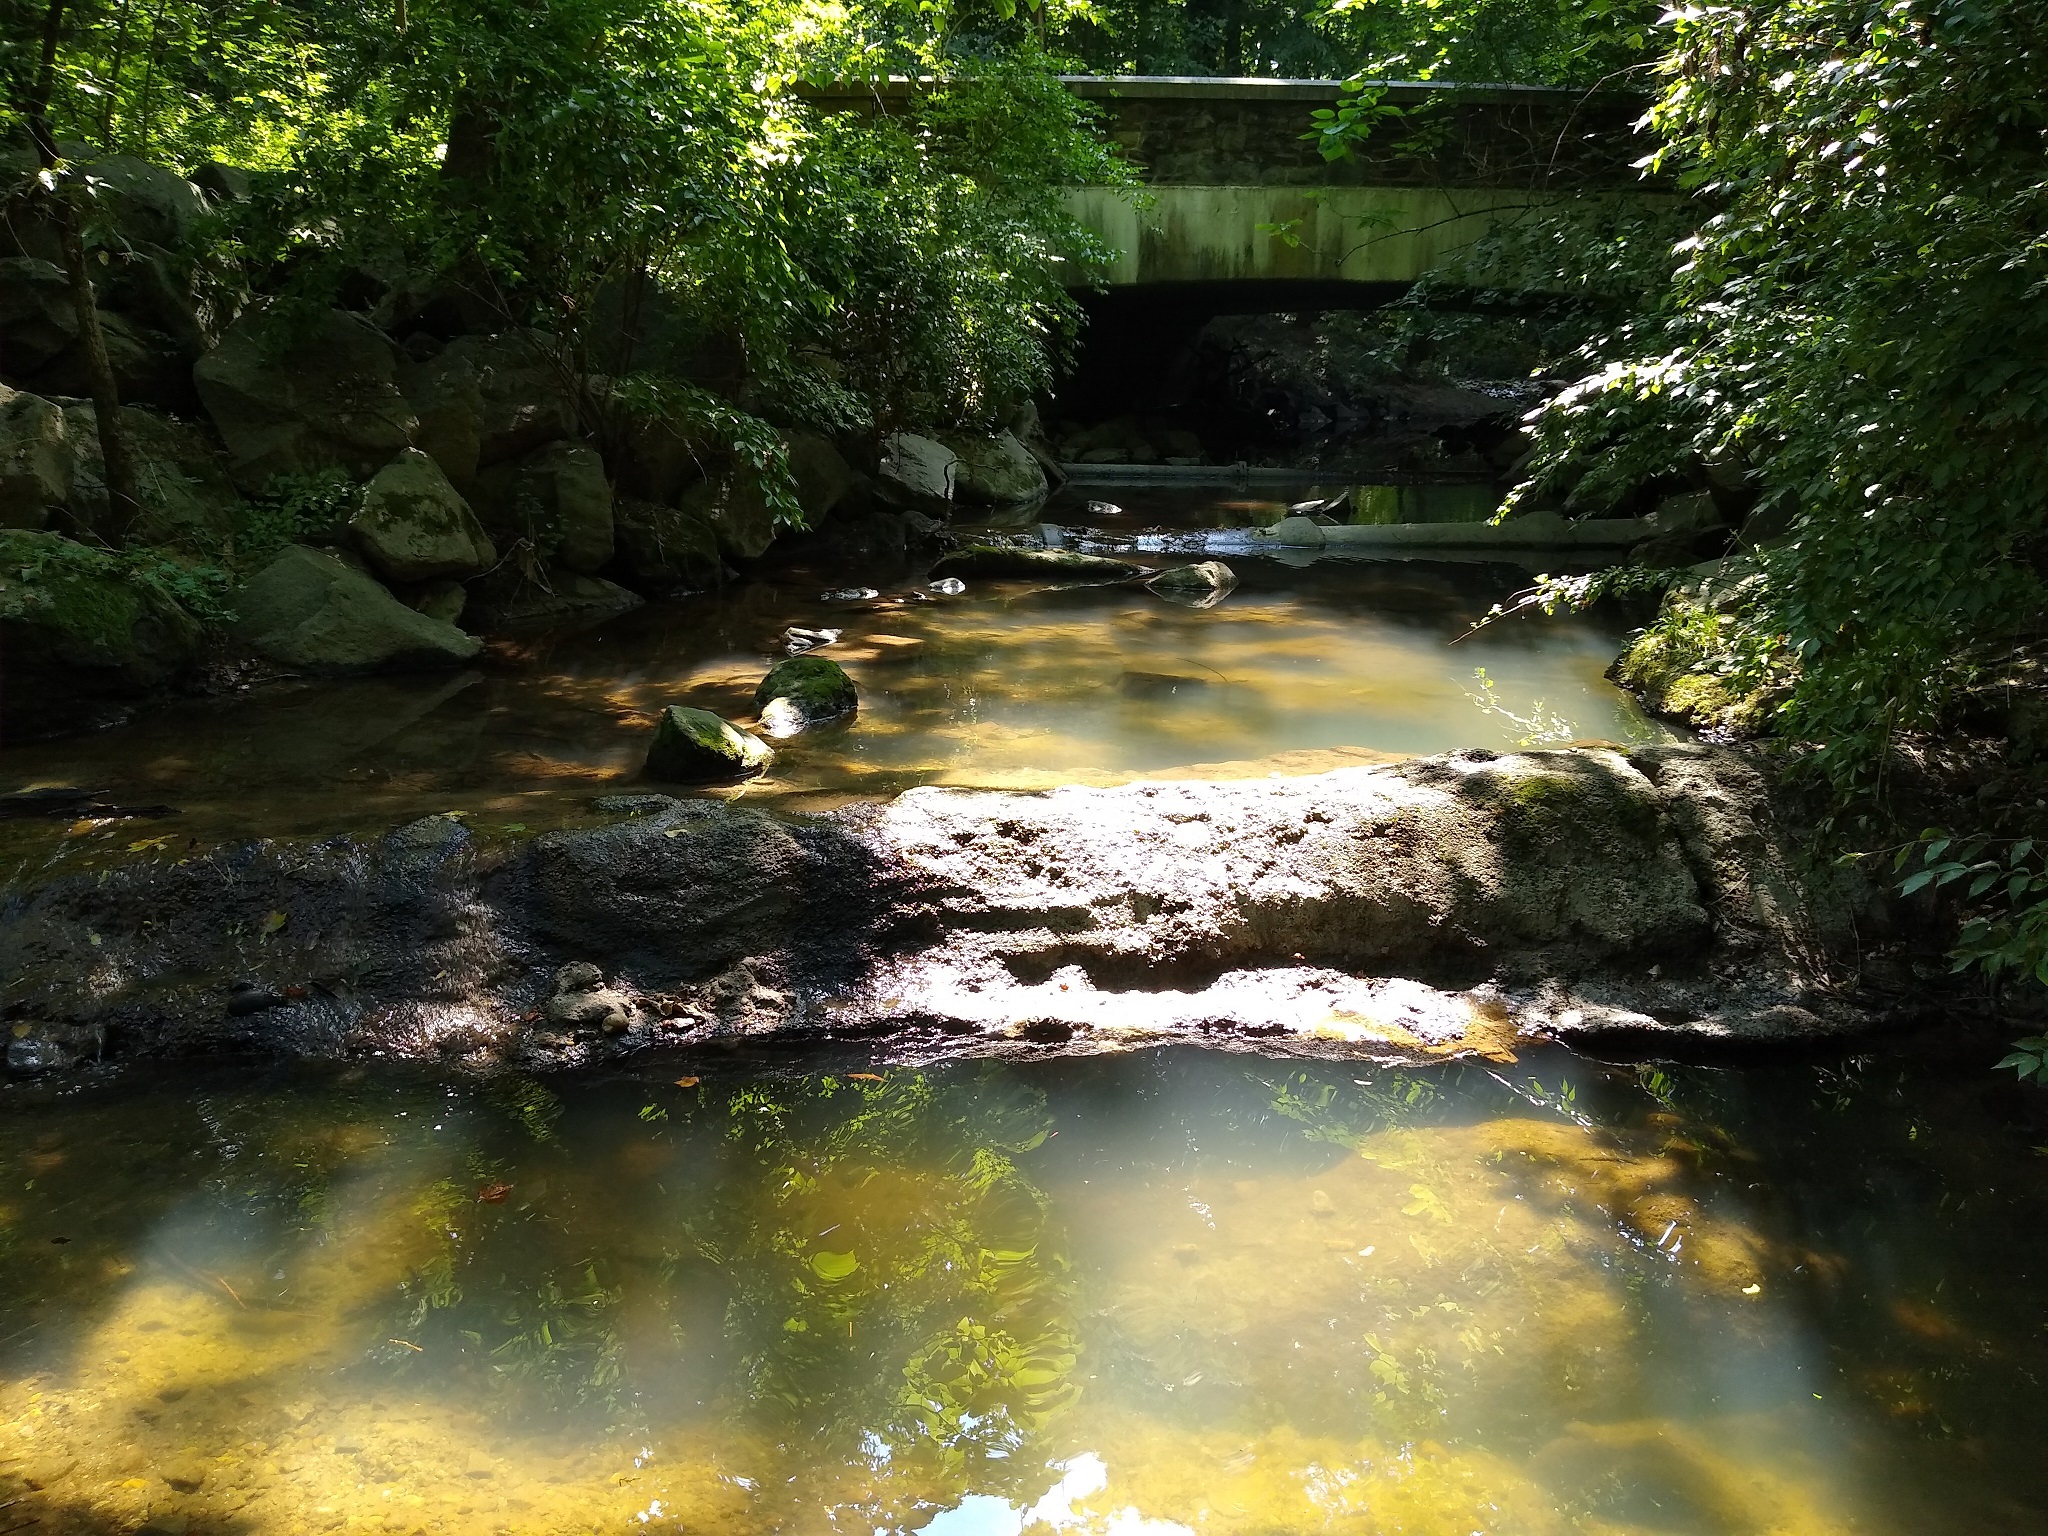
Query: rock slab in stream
1001, 561
802, 692
1444, 904
314, 612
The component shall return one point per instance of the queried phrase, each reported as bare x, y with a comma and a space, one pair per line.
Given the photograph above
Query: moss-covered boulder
314, 612
694, 746
77, 625
35, 459
996, 471
999, 561
413, 525
802, 692
732, 505
557, 499
181, 479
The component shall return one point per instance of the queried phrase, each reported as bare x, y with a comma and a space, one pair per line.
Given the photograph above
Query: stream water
1166, 1293
1310, 663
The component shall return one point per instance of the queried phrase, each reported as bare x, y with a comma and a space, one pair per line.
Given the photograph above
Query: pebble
949, 586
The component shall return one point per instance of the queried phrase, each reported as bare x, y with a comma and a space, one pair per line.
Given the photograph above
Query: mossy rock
314, 612
1676, 669
75, 625
694, 746
413, 526
999, 561
801, 692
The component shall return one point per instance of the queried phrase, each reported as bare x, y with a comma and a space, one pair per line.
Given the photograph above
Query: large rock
918, 472
74, 627
186, 496
413, 526
694, 746
662, 550
732, 505
314, 612
821, 473
996, 471
1000, 561
37, 320
293, 394
802, 692
523, 394
446, 396
557, 500
35, 459
512, 600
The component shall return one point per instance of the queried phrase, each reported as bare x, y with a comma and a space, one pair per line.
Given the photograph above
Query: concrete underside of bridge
1196, 234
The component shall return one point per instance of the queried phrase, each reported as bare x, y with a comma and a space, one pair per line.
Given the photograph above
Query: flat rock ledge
1444, 906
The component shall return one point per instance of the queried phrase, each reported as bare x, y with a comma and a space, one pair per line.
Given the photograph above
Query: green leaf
1915, 881
830, 1266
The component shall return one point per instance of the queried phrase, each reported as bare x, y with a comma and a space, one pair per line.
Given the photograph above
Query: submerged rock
414, 526
313, 612
1202, 585
694, 746
802, 692
997, 561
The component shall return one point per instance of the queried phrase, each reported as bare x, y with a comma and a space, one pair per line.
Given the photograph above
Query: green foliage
2029, 1058
92, 588
291, 507
2005, 926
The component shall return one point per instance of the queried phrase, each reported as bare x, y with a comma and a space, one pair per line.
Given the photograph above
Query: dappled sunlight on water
1008, 685
1149, 1294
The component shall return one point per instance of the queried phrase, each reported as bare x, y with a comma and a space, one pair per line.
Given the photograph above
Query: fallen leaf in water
513, 826
493, 1194
863, 1077
686, 1082
275, 922
148, 845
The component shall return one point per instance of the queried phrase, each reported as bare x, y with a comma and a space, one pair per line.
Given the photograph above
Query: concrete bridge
1235, 193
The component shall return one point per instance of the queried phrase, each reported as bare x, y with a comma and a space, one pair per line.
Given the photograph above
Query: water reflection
1143, 1295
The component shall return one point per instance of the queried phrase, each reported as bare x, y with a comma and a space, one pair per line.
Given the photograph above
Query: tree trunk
106, 397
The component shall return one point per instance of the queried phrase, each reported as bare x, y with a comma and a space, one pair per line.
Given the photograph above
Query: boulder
555, 499
146, 202
694, 746
149, 366
997, 561
444, 600
524, 398
665, 549
821, 473
294, 394
918, 472
1201, 585
221, 182
75, 626
180, 478
996, 471
1691, 512
314, 612
37, 322
413, 526
1305, 532
447, 398
510, 599
802, 692
35, 459
732, 505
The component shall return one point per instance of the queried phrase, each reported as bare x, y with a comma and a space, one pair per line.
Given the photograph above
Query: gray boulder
523, 393
1201, 585
822, 474
556, 499
694, 746
920, 473
294, 394
1690, 512
802, 692
314, 612
37, 322
666, 549
413, 526
996, 471
446, 396
732, 505
35, 459
510, 599
181, 480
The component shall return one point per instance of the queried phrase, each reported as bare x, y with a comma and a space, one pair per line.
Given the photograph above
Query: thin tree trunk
113, 79
106, 397
156, 43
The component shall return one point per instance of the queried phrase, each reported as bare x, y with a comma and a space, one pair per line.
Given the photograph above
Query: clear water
1308, 664
1154, 1294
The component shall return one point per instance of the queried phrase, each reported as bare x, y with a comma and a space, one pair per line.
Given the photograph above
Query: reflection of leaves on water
887, 1263
1344, 1116
530, 1103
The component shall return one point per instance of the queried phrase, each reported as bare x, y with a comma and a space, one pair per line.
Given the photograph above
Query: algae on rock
694, 746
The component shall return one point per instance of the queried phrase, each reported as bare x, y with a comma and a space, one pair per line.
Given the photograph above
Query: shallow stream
1165, 1293
1311, 663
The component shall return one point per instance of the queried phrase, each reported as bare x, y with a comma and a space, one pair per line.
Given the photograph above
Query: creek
1168, 1292
1314, 661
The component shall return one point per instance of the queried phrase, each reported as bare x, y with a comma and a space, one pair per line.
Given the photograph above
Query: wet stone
694, 746
802, 692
